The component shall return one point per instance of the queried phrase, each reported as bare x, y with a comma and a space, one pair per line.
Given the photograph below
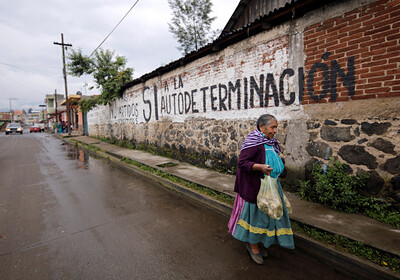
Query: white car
41, 125
14, 128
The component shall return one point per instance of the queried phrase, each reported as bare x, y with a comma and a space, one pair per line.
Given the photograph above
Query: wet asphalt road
65, 214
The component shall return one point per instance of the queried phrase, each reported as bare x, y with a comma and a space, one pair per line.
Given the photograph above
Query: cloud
31, 65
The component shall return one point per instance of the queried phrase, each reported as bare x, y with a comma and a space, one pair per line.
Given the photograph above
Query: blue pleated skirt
249, 224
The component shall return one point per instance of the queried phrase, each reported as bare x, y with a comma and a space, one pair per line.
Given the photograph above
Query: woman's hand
264, 168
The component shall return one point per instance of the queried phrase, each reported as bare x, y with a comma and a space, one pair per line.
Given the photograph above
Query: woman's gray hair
265, 120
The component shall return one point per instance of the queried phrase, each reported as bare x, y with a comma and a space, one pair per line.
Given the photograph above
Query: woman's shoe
264, 252
257, 258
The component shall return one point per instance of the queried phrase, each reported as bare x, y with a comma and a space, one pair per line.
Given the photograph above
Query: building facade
33, 117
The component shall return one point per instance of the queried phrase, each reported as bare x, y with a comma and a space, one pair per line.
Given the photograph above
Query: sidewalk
354, 226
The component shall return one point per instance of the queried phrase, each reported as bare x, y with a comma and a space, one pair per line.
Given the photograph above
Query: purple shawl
256, 138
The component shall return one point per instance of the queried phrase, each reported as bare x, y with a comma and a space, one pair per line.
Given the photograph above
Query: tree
191, 23
108, 70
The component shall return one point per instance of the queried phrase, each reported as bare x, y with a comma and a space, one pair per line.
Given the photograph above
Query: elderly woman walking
259, 156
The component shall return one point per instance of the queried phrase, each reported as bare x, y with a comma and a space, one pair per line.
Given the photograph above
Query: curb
346, 263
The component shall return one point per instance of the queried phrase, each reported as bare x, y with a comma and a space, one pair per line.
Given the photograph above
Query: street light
11, 114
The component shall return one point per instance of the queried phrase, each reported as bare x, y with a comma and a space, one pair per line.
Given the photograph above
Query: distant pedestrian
259, 157
55, 127
60, 127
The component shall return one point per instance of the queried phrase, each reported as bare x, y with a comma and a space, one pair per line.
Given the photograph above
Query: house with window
54, 109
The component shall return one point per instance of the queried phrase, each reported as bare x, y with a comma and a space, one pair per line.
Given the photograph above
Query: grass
168, 164
92, 147
350, 246
89, 146
193, 186
193, 157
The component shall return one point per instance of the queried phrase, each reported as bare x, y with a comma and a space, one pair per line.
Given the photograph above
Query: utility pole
62, 44
55, 100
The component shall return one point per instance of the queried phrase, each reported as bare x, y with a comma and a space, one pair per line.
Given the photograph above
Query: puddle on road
72, 153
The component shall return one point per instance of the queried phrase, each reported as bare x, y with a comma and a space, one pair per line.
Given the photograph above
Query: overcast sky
31, 65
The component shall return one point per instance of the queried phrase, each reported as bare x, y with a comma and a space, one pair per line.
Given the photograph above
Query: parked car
35, 128
41, 125
14, 128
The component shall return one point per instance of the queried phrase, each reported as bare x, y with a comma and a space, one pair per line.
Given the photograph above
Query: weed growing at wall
192, 157
338, 190
353, 247
92, 147
198, 188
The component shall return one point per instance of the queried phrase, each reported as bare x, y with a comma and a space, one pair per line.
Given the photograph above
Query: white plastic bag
287, 203
268, 199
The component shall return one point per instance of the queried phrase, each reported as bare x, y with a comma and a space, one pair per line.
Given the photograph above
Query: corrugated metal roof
248, 11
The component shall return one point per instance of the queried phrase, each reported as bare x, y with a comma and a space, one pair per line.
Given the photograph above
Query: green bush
338, 190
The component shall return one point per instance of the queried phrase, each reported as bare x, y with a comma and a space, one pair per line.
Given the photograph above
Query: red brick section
370, 34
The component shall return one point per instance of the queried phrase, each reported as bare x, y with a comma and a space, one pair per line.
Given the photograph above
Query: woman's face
270, 130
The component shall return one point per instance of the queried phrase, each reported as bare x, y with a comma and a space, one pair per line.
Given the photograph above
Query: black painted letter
214, 108
146, 102
325, 80
204, 98
233, 89
258, 89
285, 72
155, 102
223, 99
270, 82
194, 110
347, 79
188, 102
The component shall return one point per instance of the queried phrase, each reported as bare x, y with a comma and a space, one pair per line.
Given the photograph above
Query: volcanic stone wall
366, 145
331, 78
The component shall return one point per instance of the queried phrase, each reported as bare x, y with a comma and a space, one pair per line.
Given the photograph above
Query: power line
26, 68
11, 65
114, 28
6, 82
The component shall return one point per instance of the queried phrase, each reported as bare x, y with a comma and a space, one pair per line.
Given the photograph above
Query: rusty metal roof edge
235, 15
242, 7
